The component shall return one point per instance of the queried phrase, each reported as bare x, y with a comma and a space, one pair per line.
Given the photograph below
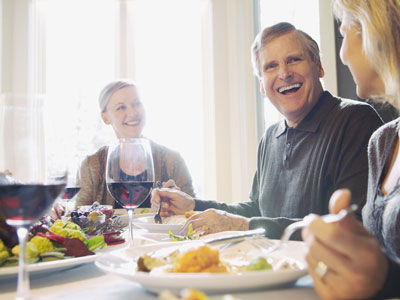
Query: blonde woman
346, 259
122, 108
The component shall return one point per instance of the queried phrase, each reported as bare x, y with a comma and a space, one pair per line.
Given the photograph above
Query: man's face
289, 78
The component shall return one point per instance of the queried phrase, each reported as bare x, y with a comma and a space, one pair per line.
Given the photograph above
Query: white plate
51, 266
149, 224
122, 263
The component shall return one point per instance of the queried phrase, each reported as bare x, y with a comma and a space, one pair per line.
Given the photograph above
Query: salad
57, 240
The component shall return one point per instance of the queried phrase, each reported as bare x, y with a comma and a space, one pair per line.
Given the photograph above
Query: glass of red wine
130, 174
34, 179
71, 190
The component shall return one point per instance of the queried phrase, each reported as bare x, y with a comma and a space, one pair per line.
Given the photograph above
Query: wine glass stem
23, 278
130, 215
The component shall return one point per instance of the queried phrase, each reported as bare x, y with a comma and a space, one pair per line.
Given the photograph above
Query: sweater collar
314, 118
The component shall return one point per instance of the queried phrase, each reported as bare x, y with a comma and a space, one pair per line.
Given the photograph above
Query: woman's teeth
132, 123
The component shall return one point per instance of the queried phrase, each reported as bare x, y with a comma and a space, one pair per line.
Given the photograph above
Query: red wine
70, 192
130, 194
21, 204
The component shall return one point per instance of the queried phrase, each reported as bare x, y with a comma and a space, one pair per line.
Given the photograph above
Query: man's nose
285, 72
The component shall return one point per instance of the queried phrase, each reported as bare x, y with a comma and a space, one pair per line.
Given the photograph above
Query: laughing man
319, 147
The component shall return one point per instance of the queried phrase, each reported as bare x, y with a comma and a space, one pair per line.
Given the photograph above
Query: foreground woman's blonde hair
379, 22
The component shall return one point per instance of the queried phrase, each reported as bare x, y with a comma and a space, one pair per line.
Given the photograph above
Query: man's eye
270, 67
294, 59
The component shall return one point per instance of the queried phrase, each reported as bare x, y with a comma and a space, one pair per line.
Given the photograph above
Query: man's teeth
289, 87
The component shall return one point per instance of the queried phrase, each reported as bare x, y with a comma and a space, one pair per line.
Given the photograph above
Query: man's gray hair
110, 89
270, 33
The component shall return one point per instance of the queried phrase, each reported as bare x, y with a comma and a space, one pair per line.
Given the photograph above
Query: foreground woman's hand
344, 261
213, 220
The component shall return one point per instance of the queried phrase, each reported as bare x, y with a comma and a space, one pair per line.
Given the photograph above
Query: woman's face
351, 53
125, 113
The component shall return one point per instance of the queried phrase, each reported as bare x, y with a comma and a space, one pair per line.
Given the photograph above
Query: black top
299, 168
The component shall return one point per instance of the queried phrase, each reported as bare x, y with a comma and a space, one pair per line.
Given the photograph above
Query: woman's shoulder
97, 157
385, 134
159, 150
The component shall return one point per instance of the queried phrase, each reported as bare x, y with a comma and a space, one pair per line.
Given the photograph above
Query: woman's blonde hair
379, 21
110, 89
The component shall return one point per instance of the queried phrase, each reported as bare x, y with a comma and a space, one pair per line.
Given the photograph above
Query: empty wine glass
35, 181
130, 174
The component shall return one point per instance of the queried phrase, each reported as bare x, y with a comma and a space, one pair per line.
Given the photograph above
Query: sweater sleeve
391, 287
87, 184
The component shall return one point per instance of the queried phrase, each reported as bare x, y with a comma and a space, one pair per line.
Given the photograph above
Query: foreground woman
346, 259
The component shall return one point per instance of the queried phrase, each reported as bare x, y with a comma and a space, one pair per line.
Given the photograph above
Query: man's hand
213, 220
344, 261
174, 201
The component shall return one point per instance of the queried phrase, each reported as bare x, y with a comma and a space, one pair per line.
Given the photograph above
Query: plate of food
243, 266
54, 245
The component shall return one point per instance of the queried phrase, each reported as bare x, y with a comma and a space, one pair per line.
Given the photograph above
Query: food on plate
3, 253
56, 241
90, 217
205, 259
200, 260
259, 263
144, 210
186, 294
190, 213
190, 235
190, 294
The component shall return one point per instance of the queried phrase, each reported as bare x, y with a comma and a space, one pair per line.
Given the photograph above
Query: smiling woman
122, 108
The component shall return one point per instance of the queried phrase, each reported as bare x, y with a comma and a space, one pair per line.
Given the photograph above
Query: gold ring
321, 269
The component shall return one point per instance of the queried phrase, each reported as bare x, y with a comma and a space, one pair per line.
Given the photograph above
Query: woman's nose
132, 111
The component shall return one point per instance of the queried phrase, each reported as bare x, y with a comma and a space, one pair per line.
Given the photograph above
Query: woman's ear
105, 118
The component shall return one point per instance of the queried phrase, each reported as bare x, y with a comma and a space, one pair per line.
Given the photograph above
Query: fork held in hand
157, 217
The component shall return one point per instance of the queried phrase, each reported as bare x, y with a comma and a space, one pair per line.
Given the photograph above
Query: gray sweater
299, 168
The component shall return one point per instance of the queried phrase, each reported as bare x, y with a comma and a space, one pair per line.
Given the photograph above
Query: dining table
87, 281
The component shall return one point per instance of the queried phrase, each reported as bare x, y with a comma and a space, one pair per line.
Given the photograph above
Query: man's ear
321, 71
262, 90
105, 118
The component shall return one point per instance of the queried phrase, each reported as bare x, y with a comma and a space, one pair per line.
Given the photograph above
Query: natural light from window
82, 54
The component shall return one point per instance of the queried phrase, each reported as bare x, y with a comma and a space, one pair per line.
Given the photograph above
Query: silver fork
157, 217
267, 246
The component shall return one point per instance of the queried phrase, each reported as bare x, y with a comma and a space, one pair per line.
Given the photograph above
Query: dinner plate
57, 265
174, 224
123, 263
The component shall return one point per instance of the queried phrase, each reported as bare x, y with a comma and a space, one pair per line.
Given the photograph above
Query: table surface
86, 281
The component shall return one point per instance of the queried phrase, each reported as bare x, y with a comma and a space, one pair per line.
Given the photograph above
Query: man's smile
289, 89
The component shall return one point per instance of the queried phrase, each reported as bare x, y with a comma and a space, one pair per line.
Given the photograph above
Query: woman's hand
57, 211
174, 201
344, 261
213, 220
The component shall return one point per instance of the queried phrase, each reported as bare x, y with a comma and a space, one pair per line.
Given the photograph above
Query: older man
319, 147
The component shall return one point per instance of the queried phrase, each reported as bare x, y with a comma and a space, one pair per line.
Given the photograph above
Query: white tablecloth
88, 282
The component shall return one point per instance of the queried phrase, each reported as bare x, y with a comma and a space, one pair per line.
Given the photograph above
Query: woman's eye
120, 107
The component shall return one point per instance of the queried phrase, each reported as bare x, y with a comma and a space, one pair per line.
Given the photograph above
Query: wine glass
130, 174
35, 179
71, 190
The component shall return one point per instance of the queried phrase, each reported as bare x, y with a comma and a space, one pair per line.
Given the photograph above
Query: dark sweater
299, 168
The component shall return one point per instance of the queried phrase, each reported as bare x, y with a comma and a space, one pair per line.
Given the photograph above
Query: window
90, 42
304, 17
